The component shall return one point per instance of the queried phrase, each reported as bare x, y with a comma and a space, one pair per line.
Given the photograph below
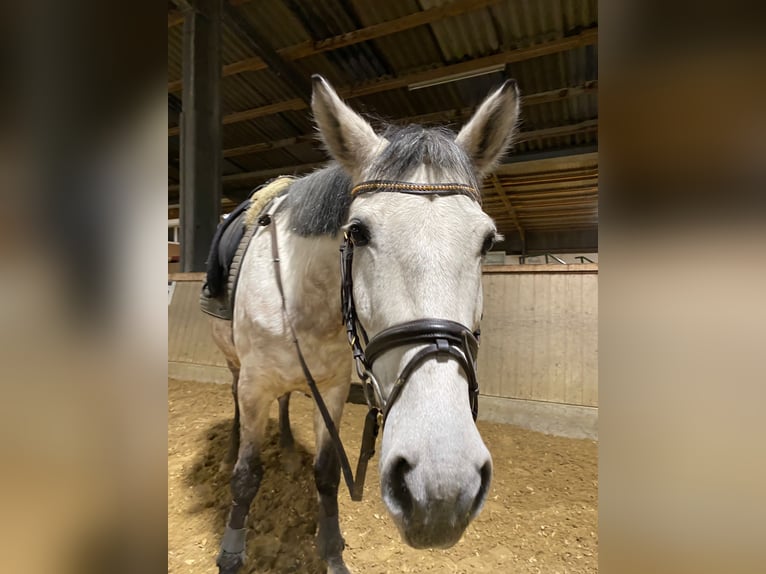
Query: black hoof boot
232, 555
229, 562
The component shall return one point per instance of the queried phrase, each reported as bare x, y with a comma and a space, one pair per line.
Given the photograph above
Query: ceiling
543, 198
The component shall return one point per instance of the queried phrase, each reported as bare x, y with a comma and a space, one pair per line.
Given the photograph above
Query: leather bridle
437, 337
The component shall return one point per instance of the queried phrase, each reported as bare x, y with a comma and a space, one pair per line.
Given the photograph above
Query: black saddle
223, 248
227, 250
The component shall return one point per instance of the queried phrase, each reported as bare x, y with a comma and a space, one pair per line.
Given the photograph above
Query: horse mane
318, 203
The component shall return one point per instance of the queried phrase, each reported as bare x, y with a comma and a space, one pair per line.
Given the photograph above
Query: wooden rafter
571, 192
530, 100
311, 48
554, 177
297, 104
175, 18
586, 37
433, 117
289, 105
508, 206
268, 146
250, 176
259, 45
558, 131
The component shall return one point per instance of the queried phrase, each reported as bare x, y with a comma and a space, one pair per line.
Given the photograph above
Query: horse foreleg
245, 480
330, 542
231, 455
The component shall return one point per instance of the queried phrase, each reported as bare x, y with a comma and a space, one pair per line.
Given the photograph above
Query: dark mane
318, 203
412, 146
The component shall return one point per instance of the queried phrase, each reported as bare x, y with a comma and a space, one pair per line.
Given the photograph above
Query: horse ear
489, 132
348, 137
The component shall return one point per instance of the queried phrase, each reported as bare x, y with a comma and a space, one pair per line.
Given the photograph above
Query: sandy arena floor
540, 516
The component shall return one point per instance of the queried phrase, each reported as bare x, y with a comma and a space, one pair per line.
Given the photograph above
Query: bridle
439, 338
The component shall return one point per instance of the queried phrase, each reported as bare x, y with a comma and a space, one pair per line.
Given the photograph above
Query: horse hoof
337, 566
229, 562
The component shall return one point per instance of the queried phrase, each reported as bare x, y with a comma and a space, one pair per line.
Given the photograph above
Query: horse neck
312, 279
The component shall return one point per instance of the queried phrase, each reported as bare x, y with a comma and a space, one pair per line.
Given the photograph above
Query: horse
405, 203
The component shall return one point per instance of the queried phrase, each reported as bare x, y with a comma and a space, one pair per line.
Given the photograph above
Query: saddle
227, 250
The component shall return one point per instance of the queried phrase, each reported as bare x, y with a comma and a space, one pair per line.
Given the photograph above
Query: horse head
417, 258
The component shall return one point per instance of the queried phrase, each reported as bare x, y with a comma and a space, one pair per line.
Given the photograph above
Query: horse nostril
397, 487
486, 479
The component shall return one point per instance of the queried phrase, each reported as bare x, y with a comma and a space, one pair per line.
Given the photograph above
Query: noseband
440, 338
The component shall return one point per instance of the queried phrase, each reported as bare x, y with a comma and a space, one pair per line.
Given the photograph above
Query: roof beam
264, 174
560, 176
586, 37
260, 46
254, 175
297, 104
433, 117
546, 97
508, 206
386, 28
571, 192
571, 129
175, 18
518, 161
311, 48
268, 146
289, 105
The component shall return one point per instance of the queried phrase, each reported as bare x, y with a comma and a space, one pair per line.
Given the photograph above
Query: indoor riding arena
240, 110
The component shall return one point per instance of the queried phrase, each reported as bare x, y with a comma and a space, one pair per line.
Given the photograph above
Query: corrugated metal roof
475, 33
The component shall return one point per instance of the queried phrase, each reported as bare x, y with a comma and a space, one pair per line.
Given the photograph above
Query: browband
417, 188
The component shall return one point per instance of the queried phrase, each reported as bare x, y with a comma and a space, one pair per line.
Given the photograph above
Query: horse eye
489, 241
358, 233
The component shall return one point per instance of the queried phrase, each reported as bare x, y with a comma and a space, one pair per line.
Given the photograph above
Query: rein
439, 337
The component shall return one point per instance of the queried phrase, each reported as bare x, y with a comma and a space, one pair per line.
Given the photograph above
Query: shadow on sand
283, 516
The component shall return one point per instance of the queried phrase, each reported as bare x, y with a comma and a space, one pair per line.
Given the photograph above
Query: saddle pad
230, 243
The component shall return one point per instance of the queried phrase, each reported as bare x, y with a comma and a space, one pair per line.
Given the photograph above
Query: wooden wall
538, 360
539, 334
191, 352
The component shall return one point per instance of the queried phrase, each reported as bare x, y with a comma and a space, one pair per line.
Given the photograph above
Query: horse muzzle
433, 498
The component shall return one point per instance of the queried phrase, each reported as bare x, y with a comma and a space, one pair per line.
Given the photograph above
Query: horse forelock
412, 147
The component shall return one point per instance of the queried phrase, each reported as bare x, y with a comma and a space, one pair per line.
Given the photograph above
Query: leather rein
437, 337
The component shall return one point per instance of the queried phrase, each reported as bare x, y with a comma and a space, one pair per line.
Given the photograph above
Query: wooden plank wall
540, 334
191, 351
